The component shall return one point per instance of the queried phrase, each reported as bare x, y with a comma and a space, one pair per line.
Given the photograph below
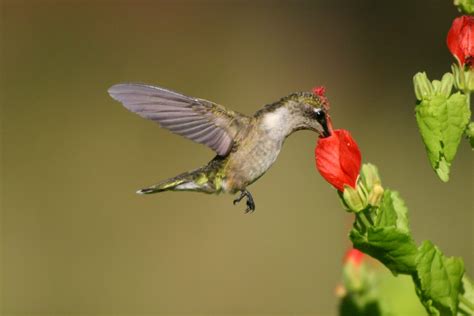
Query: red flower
354, 256
460, 39
338, 159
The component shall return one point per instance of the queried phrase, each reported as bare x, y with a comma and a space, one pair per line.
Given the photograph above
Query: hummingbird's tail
196, 180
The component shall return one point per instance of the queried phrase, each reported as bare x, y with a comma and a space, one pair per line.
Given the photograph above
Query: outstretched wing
199, 120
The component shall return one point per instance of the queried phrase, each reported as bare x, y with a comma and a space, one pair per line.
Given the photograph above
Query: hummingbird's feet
250, 202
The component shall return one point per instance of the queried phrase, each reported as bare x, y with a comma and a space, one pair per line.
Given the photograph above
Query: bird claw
250, 202
242, 195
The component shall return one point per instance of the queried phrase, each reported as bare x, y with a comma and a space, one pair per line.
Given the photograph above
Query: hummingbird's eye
319, 114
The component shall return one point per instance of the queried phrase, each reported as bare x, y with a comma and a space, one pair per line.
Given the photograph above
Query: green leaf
438, 280
386, 214
428, 117
394, 248
458, 115
470, 134
442, 121
468, 294
389, 240
393, 211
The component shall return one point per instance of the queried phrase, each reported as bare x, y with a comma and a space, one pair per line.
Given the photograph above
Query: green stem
462, 309
465, 301
357, 224
364, 219
466, 90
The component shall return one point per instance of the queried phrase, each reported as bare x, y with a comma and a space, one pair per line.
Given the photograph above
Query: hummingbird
245, 146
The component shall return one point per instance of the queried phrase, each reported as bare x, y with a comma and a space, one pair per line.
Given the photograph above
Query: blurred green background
75, 238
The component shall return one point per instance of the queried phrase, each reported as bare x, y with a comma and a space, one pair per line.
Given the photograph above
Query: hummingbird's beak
324, 123
326, 132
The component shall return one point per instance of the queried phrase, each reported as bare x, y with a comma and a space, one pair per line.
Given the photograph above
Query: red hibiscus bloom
460, 39
338, 159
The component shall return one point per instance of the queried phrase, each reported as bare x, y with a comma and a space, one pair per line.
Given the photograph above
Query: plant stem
462, 309
364, 219
357, 225
465, 301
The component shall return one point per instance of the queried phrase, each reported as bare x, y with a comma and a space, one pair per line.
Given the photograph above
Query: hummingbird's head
308, 111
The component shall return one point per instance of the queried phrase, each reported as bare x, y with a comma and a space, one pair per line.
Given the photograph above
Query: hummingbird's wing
199, 120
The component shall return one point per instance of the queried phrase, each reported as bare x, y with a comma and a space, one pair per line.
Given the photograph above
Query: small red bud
354, 256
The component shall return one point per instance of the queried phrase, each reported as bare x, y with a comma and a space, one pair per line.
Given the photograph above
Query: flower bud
423, 86
354, 273
470, 134
375, 196
354, 256
463, 79
370, 176
466, 6
460, 40
470, 129
458, 80
446, 85
469, 79
436, 86
355, 199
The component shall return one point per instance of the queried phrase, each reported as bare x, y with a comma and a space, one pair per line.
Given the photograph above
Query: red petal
452, 40
460, 39
350, 157
466, 38
338, 159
